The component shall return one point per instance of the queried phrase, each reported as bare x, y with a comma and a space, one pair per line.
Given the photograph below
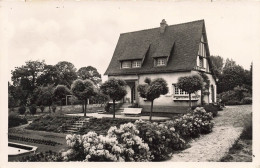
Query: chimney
163, 26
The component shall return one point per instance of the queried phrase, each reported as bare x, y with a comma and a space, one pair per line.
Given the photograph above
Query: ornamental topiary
33, 109
22, 110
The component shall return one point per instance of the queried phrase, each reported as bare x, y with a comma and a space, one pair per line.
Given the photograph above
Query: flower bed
52, 123
14, 120
37, 141
136, 141
102, 125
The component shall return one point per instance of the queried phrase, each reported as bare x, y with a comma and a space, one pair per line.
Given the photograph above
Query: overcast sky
86, 33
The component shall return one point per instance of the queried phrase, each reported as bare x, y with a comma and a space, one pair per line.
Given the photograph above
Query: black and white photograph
130, 81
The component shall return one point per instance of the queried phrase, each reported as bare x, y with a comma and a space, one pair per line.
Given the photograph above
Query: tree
24, 79
66, 73
83, 90
232, 76
45, 96
152, 90
115, 89
90, 73
60, 92
217, 65
190, 84
49, 76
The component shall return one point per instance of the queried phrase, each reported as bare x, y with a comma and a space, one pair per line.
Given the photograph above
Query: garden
37, 114
129, 140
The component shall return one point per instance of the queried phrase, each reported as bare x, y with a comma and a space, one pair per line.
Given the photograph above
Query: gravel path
212, 147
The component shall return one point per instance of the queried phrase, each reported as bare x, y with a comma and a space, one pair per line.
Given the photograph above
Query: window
131, 64
178, 91
126, 64
201, 62
136, 64
161, 62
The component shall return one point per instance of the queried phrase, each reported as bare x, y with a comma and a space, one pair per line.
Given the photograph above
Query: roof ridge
158, 27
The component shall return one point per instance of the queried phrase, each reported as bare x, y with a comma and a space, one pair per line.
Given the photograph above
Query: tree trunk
50, 109
150, 119
114, 109
189, 100
85, 108
61, 105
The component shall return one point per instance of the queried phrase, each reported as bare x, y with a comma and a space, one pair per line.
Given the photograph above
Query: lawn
39, 135
91, 108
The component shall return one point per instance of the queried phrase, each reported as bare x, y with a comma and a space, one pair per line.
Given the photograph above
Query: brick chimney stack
163, 26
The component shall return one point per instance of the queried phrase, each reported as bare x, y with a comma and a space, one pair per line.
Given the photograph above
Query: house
167, 52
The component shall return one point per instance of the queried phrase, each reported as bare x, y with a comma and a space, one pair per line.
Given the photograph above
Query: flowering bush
194, 123
120, 144
134, 148
161, 139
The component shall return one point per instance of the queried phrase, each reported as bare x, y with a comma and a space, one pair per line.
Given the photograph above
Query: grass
91, 108
52, 122
241, 151
56, 137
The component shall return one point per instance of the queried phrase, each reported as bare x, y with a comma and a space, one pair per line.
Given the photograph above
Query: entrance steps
76, 126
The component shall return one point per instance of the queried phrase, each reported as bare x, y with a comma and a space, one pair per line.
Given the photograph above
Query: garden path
212, 147
96, 115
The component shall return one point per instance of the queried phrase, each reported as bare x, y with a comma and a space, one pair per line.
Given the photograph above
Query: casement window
131, 64
126, 64
201, 64
136, 64
178, 91
160, 61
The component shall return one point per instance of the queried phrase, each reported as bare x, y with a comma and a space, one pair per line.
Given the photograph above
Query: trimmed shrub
22, 110
161, 139
42, 108
233, 102
33, 109
14, 120
246, 100
107, 107
53, 107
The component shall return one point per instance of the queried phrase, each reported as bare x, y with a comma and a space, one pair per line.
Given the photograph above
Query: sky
86, 33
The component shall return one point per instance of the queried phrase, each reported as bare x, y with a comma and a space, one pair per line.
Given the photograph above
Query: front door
133, 94
212, 94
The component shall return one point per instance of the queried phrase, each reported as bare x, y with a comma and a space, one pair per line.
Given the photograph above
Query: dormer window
136, 64
126, 64
160, 62
131, 64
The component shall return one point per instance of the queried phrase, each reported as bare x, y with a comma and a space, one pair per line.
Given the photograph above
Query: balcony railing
185, 97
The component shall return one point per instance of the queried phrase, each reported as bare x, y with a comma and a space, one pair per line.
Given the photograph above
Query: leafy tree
24, 79
115, 89
190, 84
90, 73
217, 65
30, 71
67, 73
60, 92
49, 76
152, 90
45, 96
232, 76
83, 90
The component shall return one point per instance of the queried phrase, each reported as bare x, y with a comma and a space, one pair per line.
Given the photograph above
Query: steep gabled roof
180, 43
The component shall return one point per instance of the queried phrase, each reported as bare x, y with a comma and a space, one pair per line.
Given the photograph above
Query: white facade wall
171, 78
